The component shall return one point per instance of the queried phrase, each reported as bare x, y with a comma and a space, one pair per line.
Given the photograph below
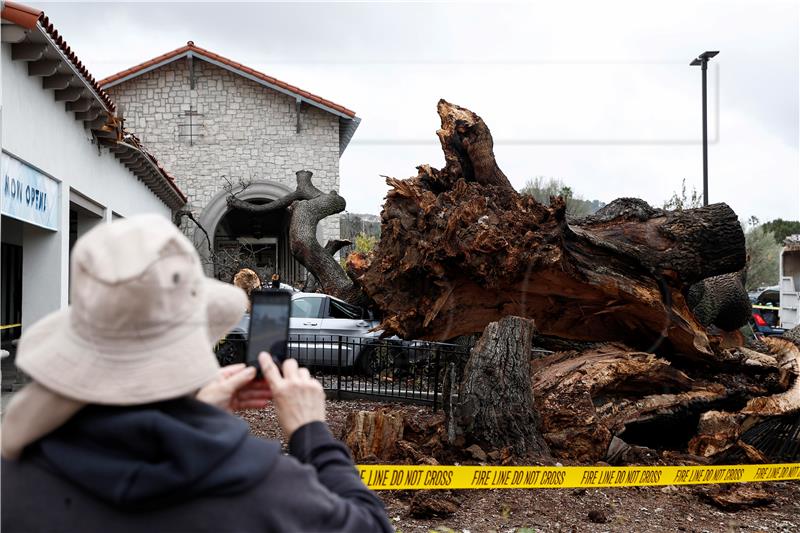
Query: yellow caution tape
768, 307
10, 326
394, 477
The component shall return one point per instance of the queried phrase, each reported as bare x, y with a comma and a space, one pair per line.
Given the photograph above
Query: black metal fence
366, 367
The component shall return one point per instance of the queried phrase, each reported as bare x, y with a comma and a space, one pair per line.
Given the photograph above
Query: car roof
308, 295
319, 295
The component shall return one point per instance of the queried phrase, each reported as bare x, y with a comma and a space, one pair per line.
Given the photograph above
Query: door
790, 302
304, 325
343, 321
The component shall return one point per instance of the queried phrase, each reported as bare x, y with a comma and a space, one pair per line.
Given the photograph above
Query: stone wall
245, 131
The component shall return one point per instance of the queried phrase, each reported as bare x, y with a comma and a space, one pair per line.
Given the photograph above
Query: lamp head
704, 57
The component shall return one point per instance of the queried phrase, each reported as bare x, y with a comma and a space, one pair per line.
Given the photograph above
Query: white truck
790, 283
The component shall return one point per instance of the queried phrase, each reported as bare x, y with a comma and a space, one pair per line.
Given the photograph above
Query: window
306, 307
342, 310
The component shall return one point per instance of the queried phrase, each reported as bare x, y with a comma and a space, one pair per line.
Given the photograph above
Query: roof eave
75, 71
107, 85
181, 53
347, 128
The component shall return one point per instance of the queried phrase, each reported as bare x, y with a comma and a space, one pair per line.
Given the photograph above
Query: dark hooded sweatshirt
181, 466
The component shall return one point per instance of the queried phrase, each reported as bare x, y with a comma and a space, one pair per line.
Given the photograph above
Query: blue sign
28, 195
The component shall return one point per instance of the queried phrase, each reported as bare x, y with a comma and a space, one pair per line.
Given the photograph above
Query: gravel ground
592, 510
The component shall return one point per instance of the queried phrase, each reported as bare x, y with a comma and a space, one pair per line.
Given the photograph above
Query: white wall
39, 131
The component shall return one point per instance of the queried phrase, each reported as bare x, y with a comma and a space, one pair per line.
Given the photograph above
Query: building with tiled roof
67, 164
216, 122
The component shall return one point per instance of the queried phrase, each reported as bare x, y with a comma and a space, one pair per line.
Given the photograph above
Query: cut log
495, 401
460, 248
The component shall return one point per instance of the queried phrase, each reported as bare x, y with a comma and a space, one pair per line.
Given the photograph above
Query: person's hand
298, 398
235, 389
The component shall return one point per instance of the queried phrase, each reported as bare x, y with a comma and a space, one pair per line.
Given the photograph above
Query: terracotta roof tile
21, 15
190, 46
29, 17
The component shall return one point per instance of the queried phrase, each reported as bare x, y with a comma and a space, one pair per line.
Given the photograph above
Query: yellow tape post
394, 477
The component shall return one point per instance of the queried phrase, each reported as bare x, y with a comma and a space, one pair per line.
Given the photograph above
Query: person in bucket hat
125, 424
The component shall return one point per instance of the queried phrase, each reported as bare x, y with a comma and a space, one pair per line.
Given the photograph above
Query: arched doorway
243, 239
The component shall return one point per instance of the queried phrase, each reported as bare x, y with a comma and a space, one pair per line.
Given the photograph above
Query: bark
305, 190
495, 400
793, 335
721, 301
334, 245
460, 248
305, 247
453, 375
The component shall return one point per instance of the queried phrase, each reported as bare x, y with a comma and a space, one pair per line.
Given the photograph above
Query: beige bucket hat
142, 320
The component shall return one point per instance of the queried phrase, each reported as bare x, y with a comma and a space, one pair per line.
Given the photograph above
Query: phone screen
269, 326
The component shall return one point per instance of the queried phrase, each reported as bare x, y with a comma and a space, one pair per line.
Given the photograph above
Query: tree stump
373, 434
495, 405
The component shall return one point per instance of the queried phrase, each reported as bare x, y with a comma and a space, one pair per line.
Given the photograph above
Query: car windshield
772, 298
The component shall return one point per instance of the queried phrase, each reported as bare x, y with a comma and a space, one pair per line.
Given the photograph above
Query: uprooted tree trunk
494, 405
460, 248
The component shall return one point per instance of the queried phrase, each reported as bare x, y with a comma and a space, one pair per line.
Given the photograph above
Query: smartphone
269, 326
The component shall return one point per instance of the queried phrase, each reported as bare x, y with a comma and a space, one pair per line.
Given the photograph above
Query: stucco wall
248, 131
39, 131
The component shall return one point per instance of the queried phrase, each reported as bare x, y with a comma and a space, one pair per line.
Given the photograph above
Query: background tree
684, 201
763, 252
362, 243
782, 228
542, 189
353, 225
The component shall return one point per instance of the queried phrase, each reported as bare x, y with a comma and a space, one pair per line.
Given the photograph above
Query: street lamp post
702, 61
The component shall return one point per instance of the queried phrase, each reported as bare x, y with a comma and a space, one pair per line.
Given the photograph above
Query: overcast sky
598, 94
